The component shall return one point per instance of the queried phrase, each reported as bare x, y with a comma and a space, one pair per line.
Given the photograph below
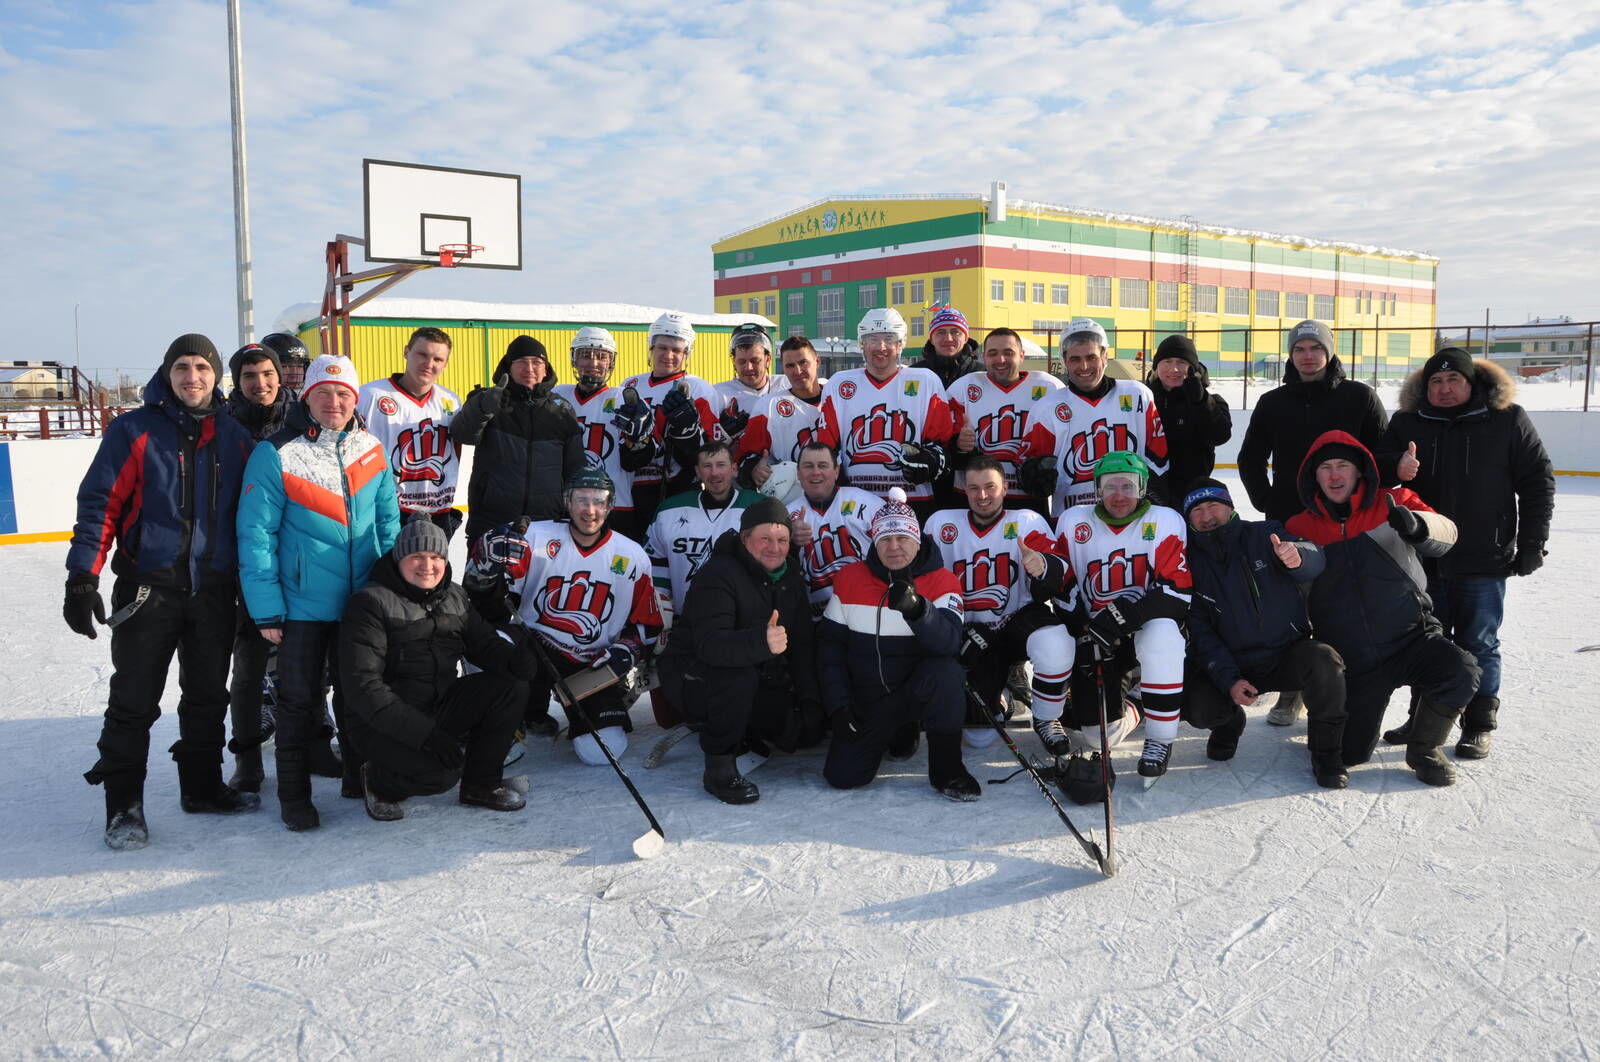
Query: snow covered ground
1255, 916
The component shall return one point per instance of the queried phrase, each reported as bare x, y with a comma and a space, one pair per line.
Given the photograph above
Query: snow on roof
301, 314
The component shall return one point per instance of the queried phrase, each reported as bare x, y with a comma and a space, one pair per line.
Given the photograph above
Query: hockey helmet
1125, 462
588, 478
673, 324
884, 320
784, 483
1082, 329
749, 334
288, 348
591, 337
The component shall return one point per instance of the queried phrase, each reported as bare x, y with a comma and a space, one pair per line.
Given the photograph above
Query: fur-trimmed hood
1490, 382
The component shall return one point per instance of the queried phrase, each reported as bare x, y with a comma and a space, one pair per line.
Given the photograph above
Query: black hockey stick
1110, 864
1089, 846
652, 842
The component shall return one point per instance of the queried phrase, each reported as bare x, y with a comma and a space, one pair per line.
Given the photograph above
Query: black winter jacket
725, 617
1483, 466
399, 649
949, 370
525, 452
263, 422
1196, 423
1289, 418
1246, 606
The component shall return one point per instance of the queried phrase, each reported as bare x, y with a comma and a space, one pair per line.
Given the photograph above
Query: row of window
941, 292
1386, 302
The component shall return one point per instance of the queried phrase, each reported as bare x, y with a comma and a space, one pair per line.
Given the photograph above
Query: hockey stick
1089, 846
1110, 864
651, 843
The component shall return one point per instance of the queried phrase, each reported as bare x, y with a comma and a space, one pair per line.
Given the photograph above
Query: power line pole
241, 194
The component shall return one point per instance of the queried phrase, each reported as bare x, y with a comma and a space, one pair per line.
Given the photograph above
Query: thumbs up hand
1288, 556
777, 636
1408, 466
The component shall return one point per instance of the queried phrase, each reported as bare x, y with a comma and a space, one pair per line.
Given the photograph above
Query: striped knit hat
948, 316
896, 518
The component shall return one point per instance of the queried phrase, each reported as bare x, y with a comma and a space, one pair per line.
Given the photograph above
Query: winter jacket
726, 612
317, 512
524, 451
164, 487
263, 422
1370, 601
1196, 423
949, 370
867, 650
1483, 466
1246, 606
1286, 420
400, 649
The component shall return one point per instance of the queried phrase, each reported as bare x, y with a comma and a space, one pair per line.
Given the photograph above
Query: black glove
921, 464
1407, 523
683, 420
1109, 626
489, 399
633, 420
1528, 560
1192, 388
620, 658
843, 722
974, 645
1037, 476
733, 421
444, 747
83, 605
904, 599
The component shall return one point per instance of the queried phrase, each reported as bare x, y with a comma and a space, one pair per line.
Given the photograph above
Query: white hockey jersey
680, 539
416, 436
601, 441
868, 419
652, 391
749, 398
841, 534
987, 562
1110, 562
582, 602
1079, 431
780, 426
999, 415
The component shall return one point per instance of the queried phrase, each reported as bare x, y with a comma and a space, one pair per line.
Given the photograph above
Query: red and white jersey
1000, 416
415, 433
582, 602
988, 561
601, 441
1148, 553
868, 419
748, 397
652, 391
780, 426
841, 534
1079, 431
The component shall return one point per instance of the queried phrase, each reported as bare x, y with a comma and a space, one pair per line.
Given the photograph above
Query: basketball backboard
411, 209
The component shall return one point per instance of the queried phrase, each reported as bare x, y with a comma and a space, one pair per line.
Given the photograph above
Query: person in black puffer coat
1195, 420
401, 644
527, 441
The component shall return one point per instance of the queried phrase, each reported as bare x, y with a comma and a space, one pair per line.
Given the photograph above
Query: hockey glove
733, 421
974, 646
488, 400
620, 658
1110, 625
83, 606
1405, 522
843, 722
683, 420
1528, 560
499, 559
904, 599
633, 420
922, 464
1037, 476
444, 747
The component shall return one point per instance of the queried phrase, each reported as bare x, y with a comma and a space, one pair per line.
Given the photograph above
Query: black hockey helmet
588, 478
288, 348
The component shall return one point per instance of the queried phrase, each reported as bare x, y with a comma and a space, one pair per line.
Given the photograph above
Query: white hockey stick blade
650, 845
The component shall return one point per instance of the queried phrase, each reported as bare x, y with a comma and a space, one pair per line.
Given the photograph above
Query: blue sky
645, 131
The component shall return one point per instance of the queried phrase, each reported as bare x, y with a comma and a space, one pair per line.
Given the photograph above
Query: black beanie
525, 347
765, 511
1177, 347
192, 343
249, 354
1450, 359
1341, 450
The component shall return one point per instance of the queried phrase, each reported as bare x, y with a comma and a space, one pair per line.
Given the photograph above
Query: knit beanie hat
895, 518
1450, 359
249, 354
331, 369
192, 343
1177, 347
420, 535
948, 316
1311, 330
1205, 490
765, 511
1339, 450
525, 347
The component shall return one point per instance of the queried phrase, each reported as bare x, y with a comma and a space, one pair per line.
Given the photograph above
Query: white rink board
411, 209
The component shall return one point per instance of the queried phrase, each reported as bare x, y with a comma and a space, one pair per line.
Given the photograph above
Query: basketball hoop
451, 253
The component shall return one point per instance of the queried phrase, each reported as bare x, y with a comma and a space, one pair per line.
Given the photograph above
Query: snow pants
481, 711
1312, 667
1431, 664
308, 655
934, 696
733, 706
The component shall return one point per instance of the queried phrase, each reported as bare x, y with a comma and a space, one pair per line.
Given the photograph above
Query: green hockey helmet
588, 478
1125, 462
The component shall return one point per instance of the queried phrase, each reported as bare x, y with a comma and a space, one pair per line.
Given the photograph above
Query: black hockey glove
733, 420
620, 658
1407, 523
83, 606
1192, 388
922, 464
444, 747
1528, 560
843, 722
904, 599
683, 420
974, 645
1037, 476
633, 420
1110, 625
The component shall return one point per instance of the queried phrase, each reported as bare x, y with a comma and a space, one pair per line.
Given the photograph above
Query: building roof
304, 314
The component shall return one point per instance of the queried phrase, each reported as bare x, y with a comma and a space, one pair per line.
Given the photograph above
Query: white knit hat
329, 369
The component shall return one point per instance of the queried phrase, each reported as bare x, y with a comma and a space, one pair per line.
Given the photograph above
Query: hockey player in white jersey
594, 353
786, 421
410, 413
831, 525
991, 410
889, 422
1094, 415
683, 412
687, 525
750, 347
1129, 560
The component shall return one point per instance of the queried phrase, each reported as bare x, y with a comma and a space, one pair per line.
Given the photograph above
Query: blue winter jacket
318, 510
163, 487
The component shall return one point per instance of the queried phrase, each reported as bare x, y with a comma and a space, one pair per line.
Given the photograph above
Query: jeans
1470, 609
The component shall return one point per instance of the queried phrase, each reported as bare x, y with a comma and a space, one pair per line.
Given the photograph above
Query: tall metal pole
241, 194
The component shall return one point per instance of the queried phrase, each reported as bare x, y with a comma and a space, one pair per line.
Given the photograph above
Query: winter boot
1430, 726
379, 808
201, 791
1053, 735
1287, 710
497, 797
946, 772
125, 825
294, 790
1327, 753
1400, 735
905, 741
1477, 722
723, 781
1224, 739
1153, 760
248, 773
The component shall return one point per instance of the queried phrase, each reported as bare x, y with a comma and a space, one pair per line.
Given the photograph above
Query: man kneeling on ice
887, 649
402, 641
740, 660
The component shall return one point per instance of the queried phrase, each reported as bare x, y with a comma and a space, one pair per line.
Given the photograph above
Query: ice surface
1254, 915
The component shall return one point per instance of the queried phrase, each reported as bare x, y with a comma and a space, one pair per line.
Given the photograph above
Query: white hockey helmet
784, 483
1080, 328
749, 334
885, 319
673, 324
592, 337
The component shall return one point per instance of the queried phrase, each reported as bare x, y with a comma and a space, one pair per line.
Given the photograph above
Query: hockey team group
789, 563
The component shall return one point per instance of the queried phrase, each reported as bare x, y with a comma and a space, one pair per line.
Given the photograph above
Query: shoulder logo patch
1148, 532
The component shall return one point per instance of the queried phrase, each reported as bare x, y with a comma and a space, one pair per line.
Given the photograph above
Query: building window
830, 311
1099, 293
1019, 291
916, 326
1134, 293
1038, 293
1238, 303
1394, 303
917, 291
771, 310
866, 297
797, 330
772, 281
1205, 298
1167, 295
1324, 308
1294, 305
827, 275
805, 278
796, 303
941, 291
1267, 303
897, 293
997, 290
1058, 294
1049, 326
